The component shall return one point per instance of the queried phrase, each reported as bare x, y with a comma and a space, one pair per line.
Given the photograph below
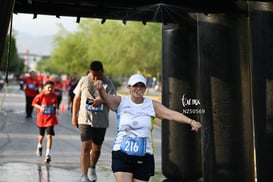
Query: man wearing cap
91, 116
132, 153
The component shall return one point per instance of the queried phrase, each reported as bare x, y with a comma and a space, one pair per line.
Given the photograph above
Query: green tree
124, 49
16, 64
43, 66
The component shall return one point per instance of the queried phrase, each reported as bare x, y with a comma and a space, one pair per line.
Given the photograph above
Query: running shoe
84, 178
93, 174
47, 159
39, 152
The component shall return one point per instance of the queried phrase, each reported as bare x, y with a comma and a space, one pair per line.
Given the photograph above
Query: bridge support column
181, 151
261, 18
225, 92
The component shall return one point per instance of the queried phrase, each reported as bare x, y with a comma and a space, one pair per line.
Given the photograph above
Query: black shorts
49, 130
88, 132
142, 167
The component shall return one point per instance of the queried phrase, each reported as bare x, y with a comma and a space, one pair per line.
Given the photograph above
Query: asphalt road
18, 141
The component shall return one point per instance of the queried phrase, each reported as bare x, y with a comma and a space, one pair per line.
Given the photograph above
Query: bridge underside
150, 11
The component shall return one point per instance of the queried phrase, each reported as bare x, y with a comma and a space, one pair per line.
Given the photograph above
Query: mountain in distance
38, 45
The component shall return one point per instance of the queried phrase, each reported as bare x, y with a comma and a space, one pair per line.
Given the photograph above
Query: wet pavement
27, 172
18, 161
18, 141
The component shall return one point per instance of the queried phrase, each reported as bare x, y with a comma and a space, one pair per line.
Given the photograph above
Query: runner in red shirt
58, 89
46, 103
32, 86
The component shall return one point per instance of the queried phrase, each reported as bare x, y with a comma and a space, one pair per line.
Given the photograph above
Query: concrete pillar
181, 151
225, 92
261, 23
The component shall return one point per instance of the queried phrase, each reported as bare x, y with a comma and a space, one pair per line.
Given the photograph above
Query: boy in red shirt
46, 103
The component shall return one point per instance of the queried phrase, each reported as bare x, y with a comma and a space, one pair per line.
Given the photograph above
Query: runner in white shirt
132, 155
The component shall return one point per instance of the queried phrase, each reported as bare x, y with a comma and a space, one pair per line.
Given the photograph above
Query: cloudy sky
36, 35
42, 25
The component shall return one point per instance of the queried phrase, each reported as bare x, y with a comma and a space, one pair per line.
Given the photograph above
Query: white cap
136, 78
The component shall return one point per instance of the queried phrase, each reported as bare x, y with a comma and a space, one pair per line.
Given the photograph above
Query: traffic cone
63, 107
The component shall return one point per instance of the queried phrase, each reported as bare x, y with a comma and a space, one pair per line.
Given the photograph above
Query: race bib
31, 86
48, 110
58, 92
133, 146
89, 106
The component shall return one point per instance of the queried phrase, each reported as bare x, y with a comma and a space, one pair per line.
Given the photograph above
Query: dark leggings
29, 107
59, 100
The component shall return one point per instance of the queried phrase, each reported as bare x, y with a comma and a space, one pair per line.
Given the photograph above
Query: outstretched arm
162, 112
110, 100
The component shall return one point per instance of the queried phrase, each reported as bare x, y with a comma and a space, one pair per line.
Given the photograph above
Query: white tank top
135, 120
